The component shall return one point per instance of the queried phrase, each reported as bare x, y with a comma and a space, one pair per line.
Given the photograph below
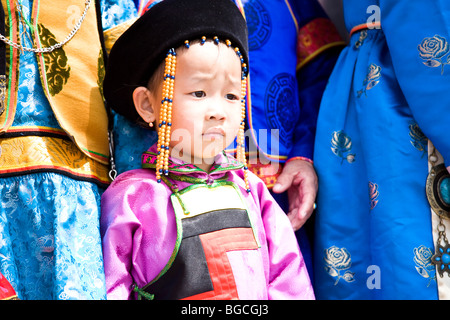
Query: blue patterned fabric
33, 108
284, 99
49, 239
128, 155
387, 96
114, 12
49, 224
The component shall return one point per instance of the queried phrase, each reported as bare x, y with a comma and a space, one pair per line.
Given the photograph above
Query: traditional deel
212, 219
377, 236
198, 235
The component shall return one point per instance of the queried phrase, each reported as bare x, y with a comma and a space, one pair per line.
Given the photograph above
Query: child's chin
213, 149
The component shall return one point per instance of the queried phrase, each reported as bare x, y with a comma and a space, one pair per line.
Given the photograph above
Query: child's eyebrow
201, 77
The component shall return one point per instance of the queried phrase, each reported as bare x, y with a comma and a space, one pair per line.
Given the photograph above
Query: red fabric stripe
216, 245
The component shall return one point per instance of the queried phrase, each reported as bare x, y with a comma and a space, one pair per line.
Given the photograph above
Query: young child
193, 223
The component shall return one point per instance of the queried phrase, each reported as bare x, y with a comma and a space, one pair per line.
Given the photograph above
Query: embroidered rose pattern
337, 260
373, 194
434, 50
341, 145
372, 79
424, 266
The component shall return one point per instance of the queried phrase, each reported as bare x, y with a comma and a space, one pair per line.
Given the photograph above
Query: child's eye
231, 96
199, 94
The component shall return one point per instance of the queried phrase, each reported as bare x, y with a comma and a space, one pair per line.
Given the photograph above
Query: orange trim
58, 168
36, 129
299, 158
363, 26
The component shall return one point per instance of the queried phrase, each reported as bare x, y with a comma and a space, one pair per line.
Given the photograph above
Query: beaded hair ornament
165, 121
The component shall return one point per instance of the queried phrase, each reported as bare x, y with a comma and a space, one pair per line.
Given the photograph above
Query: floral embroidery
424, 266
434, 51
341, 145
362, 37
372, 78
373, 194
337, 260
418, 139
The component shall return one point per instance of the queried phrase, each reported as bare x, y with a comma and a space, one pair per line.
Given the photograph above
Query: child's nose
216, 110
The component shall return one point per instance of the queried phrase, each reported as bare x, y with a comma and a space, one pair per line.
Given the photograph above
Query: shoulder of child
137, 179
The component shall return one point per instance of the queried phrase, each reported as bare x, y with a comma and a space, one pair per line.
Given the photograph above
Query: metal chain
55, 46
441, 230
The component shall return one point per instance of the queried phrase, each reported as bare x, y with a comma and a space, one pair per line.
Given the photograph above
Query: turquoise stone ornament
442, 259
438, 190
445, 190
438, 194
445, 258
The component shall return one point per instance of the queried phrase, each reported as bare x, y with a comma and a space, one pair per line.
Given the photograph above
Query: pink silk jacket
216, 248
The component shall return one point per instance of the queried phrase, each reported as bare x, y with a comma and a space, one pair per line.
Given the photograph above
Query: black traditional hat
143, 47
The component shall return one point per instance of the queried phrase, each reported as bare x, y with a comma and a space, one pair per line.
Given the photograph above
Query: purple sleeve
138, 234
118, 227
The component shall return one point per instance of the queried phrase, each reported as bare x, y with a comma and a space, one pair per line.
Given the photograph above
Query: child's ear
144, 104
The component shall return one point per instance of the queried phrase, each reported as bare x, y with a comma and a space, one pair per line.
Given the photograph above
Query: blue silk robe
387, 98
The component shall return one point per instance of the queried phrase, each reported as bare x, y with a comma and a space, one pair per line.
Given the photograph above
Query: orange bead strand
165, 121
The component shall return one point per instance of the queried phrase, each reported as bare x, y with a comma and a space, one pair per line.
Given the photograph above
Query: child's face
206, 111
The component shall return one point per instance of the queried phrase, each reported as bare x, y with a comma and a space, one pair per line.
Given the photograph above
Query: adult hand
448, 169
300, 180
